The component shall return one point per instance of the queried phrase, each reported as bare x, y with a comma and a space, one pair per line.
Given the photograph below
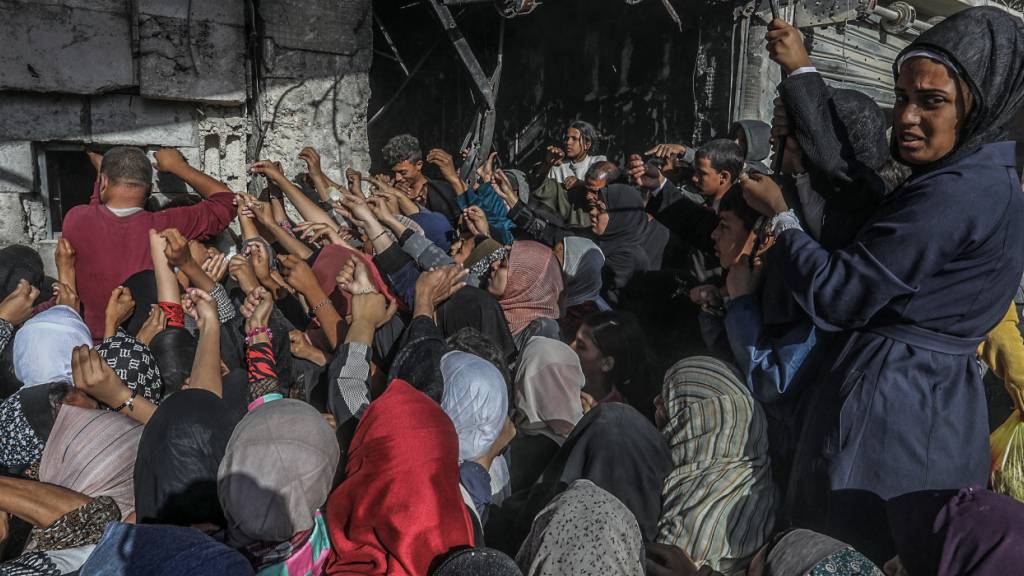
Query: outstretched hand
16, 308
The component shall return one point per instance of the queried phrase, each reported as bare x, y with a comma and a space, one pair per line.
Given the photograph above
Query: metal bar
894, 16
391, 44
476, 72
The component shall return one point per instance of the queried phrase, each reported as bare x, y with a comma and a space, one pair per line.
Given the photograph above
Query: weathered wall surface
219, 80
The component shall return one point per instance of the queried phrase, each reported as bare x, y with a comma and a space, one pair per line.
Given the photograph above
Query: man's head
599, 175
734, 235
126, 176
717, 166
579, 138
405, 157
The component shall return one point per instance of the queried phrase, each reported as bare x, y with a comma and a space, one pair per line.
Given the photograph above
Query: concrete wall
154, 73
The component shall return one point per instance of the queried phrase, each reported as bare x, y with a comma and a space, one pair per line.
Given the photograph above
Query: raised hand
666, 150
216, 267
176, 250
154, 324
169, 160
66, 296
438, 284
486, 170
299, 275
257, 308
16, 308
503, 186
201, 307
476, 221
311, 157
92, 375
444, 162
242, 271
555, 155
354, 278
120, 306
354, 179
272, 170
64, 258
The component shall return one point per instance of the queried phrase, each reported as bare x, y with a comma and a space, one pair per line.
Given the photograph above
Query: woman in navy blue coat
898, 422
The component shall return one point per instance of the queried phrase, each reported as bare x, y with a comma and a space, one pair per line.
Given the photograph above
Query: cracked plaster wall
154, 73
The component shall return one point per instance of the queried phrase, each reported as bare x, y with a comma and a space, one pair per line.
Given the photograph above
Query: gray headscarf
582, 266
585, 530
806, 552
276, 472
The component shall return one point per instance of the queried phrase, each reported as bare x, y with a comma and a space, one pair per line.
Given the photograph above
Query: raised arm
166, 283
171, 161
321, 182
206, 365
446, 164
306, 207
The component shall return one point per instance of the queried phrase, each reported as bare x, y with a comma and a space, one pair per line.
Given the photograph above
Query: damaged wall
215, 79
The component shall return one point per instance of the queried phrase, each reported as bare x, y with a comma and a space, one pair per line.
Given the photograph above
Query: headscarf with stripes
719, 500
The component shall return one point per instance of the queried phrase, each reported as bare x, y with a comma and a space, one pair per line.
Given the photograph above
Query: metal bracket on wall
480, 139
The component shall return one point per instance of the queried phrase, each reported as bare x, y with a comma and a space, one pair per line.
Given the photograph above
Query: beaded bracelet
312, 311
256, 332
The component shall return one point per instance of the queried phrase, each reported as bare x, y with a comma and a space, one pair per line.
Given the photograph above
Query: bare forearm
326, 315
306, 207
201, 182
407, 206
249, 229
166, 282
197, 277
206, 366
38, 503
360, 331
290, 243
277, 209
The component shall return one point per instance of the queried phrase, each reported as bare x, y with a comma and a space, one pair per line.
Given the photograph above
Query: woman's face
930, 108
499, 278
595, 364
598, 218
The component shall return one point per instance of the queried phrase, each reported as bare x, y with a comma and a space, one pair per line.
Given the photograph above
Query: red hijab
400, 505
329, 262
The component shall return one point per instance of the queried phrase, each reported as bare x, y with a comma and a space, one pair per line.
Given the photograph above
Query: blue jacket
494, 207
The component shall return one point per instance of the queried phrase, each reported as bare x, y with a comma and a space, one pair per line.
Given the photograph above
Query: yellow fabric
1003, 351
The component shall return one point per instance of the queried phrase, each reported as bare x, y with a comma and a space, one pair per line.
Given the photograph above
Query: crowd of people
393, 374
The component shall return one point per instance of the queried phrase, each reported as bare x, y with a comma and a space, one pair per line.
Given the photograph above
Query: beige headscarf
548, 383
93, 452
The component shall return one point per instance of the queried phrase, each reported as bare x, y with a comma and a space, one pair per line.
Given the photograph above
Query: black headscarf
621, 242
174, 349
19, 263
475, 308
477, 562
986, 45
143, 288
618, 449
179, 454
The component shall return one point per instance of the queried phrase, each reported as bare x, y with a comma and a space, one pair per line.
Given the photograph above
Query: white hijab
43, 346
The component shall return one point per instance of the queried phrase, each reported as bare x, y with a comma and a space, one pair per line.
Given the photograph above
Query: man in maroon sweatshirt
110, 235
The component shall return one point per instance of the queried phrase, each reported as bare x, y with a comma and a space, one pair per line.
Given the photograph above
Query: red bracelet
175, 314
256, 332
